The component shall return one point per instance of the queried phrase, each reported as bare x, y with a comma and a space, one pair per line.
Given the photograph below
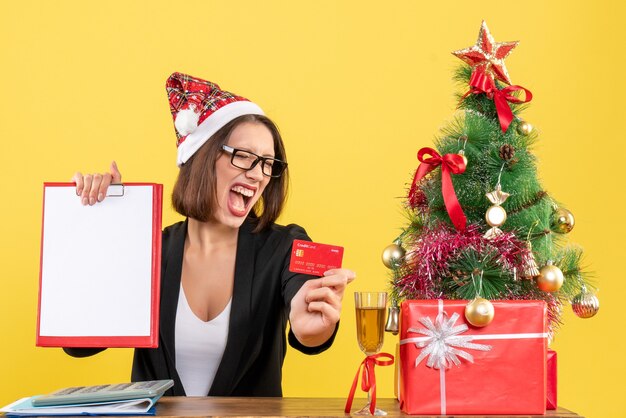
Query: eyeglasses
247, 160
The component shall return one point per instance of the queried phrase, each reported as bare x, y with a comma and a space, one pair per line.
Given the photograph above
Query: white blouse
199, 346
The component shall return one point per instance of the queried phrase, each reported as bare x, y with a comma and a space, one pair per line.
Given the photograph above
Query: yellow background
357, 88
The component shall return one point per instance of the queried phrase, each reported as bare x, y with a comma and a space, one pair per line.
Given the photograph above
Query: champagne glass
370, 330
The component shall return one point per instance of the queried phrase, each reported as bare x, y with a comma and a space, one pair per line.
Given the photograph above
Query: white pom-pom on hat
187, 120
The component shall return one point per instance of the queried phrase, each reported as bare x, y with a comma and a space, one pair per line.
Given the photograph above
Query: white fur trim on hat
211, 125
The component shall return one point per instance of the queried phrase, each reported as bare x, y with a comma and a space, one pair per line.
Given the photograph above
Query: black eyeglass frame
233, 151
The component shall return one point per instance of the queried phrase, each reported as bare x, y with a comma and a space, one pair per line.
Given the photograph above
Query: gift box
447, 366
551, 381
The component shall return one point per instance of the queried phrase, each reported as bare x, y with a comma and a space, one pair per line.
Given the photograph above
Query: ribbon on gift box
443, 344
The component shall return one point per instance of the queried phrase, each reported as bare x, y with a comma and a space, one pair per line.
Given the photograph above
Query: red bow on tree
450, 164
368, 380
481, 82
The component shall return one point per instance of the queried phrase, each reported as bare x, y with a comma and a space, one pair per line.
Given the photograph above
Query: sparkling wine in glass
370, 329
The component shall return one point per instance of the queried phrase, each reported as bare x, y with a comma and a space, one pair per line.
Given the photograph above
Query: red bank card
312, 258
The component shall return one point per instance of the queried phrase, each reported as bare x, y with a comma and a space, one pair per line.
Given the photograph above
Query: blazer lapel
170, 288
228, 371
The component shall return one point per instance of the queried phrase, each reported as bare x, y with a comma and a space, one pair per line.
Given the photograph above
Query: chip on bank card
313, 258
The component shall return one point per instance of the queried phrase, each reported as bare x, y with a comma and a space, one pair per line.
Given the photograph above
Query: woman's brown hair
195, 194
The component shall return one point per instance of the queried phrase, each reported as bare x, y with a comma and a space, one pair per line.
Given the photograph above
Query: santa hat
200, 108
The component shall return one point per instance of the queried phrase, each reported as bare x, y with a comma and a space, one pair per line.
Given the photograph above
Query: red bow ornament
368, 380
450, 164
481, 82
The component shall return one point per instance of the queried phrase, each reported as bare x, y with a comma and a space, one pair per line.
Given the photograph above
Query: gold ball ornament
495, 215
393, 255
550, 278
479, 312
524, 128
562, 221
585, 304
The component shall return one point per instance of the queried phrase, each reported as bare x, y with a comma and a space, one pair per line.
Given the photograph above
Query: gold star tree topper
488, 55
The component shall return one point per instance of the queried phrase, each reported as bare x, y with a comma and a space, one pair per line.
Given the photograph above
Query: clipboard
100, 268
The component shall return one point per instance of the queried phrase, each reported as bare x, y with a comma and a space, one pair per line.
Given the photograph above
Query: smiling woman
195, 192
227, 292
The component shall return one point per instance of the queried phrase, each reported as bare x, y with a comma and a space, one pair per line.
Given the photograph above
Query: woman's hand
92, 188
316, 308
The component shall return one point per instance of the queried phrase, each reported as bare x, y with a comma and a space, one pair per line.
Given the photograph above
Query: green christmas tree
481, 226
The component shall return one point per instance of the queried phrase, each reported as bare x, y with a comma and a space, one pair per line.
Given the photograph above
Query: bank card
314, 258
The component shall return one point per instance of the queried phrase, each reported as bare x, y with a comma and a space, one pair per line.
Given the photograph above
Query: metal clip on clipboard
114, 190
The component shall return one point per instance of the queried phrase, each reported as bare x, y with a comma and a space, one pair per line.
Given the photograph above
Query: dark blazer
262, 293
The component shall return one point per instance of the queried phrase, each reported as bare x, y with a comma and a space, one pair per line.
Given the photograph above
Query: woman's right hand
92, 188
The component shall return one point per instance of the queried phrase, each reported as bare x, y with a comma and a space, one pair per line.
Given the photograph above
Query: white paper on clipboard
100, 268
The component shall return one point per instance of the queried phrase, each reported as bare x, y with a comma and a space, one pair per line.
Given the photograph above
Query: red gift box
501, 367
551, 383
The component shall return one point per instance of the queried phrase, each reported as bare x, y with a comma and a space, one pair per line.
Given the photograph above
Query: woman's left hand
316, 308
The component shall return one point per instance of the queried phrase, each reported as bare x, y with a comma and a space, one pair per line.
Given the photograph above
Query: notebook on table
138, 398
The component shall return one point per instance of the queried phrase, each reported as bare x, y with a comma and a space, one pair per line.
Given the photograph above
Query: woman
226, 289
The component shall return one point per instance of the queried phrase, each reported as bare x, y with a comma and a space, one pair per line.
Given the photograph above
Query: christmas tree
480, 225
